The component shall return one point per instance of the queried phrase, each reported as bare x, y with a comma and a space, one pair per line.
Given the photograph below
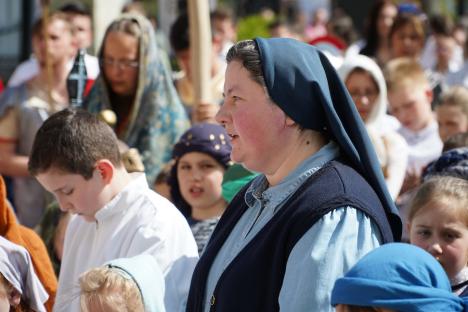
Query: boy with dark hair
75, 156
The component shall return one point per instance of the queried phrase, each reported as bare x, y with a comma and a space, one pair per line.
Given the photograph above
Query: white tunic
135, 221
424, 146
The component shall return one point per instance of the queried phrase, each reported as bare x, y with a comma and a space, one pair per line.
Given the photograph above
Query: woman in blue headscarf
320, 202
135, 84
399, 277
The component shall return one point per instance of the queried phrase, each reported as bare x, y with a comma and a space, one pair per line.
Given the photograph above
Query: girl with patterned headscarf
201, 158
137, 87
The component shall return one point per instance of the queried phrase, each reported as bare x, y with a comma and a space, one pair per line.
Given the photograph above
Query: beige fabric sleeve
9, 126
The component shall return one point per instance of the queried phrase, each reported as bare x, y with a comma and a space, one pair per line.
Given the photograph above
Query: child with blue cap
396, 277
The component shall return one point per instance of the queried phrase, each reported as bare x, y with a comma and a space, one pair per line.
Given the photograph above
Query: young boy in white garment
76, 157
409, 97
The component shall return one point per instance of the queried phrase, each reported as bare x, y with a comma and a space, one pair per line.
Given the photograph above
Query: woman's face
256, 126
405, 41
364, 92
120, 63
385, 20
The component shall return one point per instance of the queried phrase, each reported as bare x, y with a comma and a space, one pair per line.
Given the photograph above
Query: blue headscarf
145, 272
400, 277
303, 83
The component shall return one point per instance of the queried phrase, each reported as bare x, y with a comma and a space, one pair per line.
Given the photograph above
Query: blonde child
410, 96
452, 112
438, 223
123, 285
201, 158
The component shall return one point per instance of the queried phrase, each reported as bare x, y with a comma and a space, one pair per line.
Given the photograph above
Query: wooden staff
200, 46
45, 23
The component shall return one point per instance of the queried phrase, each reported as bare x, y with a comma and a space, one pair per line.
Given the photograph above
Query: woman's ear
105, 169
288, 122
14, 297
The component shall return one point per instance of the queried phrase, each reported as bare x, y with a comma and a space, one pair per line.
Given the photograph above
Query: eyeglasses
121, 64
369, 94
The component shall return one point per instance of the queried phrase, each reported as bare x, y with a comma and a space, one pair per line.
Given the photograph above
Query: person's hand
205, 112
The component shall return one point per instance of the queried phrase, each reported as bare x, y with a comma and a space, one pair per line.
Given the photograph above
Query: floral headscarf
157, 117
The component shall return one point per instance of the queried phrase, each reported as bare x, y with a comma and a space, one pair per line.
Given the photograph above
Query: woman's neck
383, 51
307, 144
122, 106
442, 67
204, 213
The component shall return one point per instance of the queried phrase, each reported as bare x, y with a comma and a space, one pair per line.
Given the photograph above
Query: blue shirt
325, 252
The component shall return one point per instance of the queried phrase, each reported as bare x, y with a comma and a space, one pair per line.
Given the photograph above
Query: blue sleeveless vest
252, 281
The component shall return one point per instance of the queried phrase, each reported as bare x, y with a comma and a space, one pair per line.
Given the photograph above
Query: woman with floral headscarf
135, 84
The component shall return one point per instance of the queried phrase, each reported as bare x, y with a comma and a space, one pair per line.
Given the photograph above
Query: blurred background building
17, 17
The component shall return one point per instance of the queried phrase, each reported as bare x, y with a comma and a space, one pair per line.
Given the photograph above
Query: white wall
104, 12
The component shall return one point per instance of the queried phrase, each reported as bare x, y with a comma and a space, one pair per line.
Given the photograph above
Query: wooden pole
200, 46
45, 23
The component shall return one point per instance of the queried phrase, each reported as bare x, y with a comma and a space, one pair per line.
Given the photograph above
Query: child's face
364, 92
437, 229
74, 193
411, 106
406, 42
200, 177
451, 121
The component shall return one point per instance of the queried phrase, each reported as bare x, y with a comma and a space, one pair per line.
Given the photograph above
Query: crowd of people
326, 172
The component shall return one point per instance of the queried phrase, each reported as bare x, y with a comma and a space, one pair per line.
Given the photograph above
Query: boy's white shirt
424, 146
135, 221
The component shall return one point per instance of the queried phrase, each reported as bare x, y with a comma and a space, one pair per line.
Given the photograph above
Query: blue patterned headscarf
157, 117
399, 277
303, 83
453, 162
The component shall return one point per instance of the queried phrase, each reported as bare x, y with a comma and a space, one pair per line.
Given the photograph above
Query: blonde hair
127, 26
456, 96
106, 287
404, 71
442, 189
